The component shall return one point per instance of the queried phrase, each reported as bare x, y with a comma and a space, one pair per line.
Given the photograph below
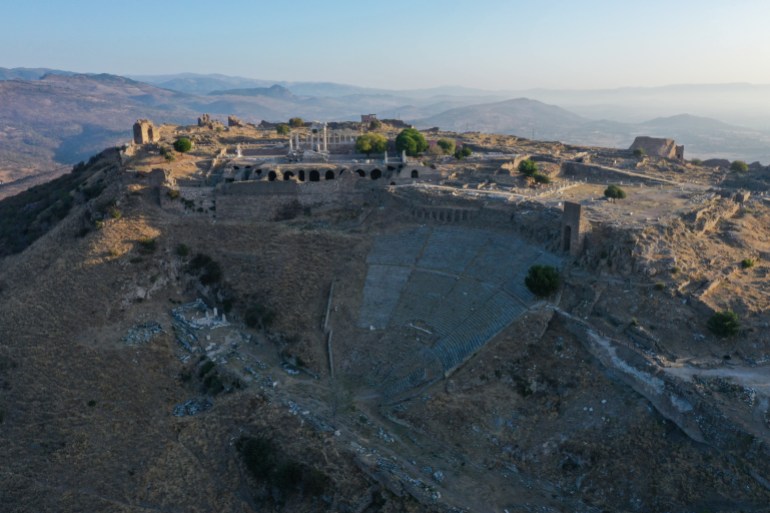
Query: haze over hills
53, 118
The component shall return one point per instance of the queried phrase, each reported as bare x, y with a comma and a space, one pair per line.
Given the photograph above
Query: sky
400, 44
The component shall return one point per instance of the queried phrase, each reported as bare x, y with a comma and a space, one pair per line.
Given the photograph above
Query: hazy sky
492, 44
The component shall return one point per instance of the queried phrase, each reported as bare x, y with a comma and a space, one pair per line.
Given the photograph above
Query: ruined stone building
657, 147
145, 132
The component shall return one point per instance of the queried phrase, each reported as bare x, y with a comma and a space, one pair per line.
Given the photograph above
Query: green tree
724, 324
639, 153
296, 123
183, 145
447, 146
739, 166
375, 124
371, 143
614, 192
412, 141
542, 280
528, 167
461, 153
283, 129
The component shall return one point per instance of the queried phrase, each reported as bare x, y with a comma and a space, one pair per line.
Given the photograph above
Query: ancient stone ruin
145, 132
206, 121
573, 228
234, 121
657, 147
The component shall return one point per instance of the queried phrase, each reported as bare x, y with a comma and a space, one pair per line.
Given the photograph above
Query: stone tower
573, 228
145, 132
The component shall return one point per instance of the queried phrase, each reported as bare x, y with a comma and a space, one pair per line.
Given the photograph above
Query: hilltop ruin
364, 321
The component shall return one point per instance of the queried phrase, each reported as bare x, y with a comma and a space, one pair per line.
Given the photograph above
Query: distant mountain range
51, 117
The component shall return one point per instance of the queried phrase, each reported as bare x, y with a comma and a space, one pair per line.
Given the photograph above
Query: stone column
326, 139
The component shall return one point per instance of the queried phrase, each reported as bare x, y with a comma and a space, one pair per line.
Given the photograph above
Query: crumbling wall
145, 132
657, 147
600, 174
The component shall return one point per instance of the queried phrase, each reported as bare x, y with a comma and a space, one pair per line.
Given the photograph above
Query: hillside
200, 335
520, 116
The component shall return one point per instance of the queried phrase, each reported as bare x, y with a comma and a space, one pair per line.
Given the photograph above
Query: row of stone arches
315, 175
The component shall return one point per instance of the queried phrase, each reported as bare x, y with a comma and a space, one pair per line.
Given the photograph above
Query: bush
183, 145
264, 462
528, 167
447, 146
461, 153
411, 141
543, 280
724, 324
283, 129
258, 316
541, 178
696, 162
208, 271
614, 192
639, 153
147, 245
739, 166
296, 122
182, 250
746, 263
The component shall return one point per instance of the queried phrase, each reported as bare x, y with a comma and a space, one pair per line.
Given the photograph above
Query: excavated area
396, 355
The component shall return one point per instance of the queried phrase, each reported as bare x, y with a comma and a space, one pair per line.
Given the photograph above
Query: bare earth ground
533, 422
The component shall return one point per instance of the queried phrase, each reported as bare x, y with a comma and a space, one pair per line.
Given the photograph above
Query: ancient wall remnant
145, 132
234, 121
206, 121
657, 147
573, 228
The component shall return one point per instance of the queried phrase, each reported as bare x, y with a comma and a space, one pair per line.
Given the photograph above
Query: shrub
182, 250
264, 462
696, 162
447, 146
528, 167
541, 178
183, 145
639, 153
296, 123
115, 213
147, 245
614, 192
259, 455
542, 280
724, 324
660, 285
746, 263
258, 316
739, 166
283, 129
461, 153
173, 194
209, 272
